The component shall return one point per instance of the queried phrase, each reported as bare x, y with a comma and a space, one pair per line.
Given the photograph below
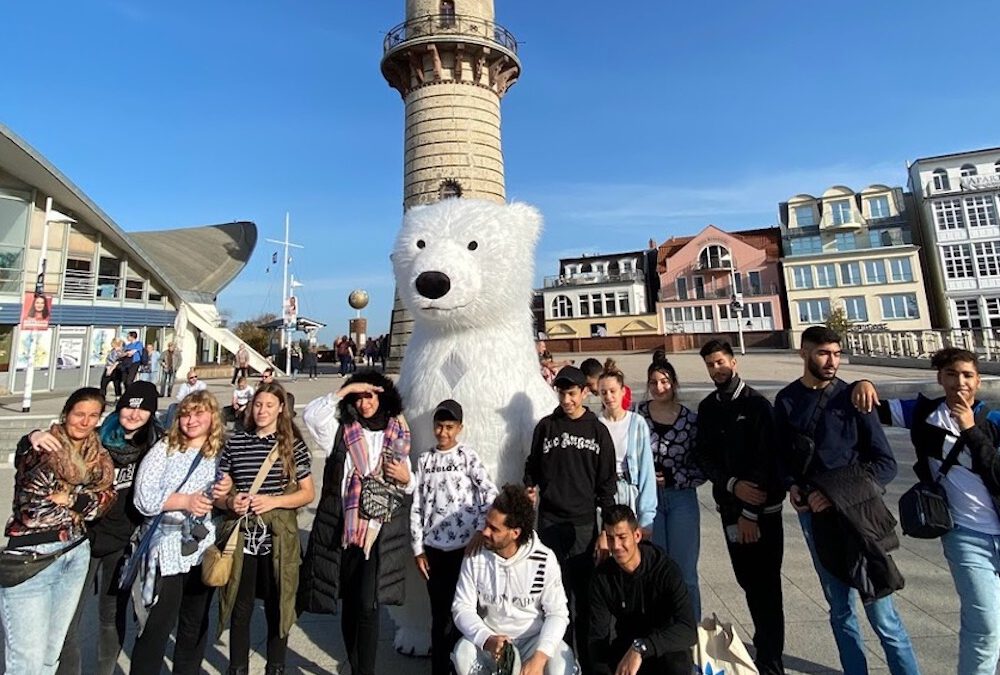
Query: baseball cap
448, 410
570, 376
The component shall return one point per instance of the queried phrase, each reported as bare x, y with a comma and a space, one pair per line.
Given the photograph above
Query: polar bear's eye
421, 243
473, 246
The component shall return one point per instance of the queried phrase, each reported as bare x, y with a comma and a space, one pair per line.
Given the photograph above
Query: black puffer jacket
854, 537
319, 576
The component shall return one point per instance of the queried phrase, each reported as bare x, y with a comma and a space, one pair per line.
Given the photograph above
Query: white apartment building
852, 250
957, 201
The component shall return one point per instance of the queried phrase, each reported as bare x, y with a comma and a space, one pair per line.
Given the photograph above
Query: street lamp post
736, 305
51, 216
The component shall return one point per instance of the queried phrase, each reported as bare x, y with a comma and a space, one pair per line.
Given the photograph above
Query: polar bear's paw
413, 641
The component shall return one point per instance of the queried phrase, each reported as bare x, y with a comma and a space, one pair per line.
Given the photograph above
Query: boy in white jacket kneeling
511, 591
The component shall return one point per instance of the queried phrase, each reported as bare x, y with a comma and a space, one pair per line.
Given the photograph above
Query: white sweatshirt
453, 493
520, 597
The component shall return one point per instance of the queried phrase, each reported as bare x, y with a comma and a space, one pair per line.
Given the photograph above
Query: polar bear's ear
528, 218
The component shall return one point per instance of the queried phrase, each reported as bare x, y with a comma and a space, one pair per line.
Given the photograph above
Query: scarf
123, 451
359, 531
90, 465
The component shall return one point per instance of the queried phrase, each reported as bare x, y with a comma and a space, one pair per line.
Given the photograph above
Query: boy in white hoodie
511, 592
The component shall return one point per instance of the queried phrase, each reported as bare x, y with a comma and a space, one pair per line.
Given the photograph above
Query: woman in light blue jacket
633, 450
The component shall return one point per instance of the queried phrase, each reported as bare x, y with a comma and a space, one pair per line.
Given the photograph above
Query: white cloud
651, 206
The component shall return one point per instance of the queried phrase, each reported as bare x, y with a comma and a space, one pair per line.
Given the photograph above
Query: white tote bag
720, 650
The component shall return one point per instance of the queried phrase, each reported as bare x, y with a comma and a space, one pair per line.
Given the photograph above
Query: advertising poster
100, 345
35, 312
42, 341
70, 350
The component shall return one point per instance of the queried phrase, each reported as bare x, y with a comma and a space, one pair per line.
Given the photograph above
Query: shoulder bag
139, 549
16, 566
381, 498
217, 564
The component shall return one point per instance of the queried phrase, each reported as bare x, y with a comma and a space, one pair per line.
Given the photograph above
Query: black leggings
445, 569
256, 581
183, 602
360, 621
112, 612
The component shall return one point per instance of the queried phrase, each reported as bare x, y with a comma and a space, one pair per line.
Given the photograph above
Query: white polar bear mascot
465, 269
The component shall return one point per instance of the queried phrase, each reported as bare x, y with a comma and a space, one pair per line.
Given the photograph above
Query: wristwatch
640, 647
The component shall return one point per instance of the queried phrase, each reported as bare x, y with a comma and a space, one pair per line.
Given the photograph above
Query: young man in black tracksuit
643, 592
737, 450
570, 473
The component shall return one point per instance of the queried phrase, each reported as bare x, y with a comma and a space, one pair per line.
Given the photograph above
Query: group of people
590, 565
125, 506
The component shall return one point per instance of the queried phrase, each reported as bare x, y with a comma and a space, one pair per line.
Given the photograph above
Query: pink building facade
716, 282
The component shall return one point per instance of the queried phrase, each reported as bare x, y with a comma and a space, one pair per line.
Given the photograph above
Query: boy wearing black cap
570, 473
453, 493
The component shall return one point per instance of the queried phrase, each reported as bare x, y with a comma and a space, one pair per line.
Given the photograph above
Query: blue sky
630, 121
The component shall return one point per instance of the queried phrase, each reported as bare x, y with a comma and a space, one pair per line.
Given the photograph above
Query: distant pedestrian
170, 363
310, 362
344, 354
241, 363
115, 363
134, 353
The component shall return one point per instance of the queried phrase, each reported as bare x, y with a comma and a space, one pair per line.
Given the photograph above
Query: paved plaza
928, 604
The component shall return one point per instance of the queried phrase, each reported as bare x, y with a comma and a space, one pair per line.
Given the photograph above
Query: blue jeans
677, 530
36, 613
881, 613
974, 559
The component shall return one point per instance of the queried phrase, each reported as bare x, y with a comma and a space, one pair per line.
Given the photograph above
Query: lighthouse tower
451, 63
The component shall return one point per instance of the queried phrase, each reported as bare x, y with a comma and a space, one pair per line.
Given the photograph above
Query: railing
866, 340
449, 24
590, 278
78, 285
726, 292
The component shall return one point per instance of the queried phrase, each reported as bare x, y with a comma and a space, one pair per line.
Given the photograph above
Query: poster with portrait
35, 312
100, 345
40, 341
291, 311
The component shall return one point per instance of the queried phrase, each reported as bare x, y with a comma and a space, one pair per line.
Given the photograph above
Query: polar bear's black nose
433, 285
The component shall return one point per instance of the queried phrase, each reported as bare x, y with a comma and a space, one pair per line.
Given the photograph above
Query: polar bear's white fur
464, 269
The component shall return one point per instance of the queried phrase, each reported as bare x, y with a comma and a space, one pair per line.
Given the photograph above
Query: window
900, 269
878, 207
901, 306
109, 280
814, 311
623, 303
584, 301
993, 312
826, 276
689, 319
957, 262
682, 288
840, 211
715, 257
879, 238
967, 313
755, 287
134, 288
447, 12
875, 271
450, 189
805, 245
981, 211
802, 277
996, 167
987, 256
699, 288
845, 241
14, 209
967, 170
574, 269
626, 266
941, 180
948, 214
562, 307
738, 282
610, 309
855, 308
805, 216
850, 274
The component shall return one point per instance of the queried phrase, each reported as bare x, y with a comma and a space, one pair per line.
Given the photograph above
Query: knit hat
139, 394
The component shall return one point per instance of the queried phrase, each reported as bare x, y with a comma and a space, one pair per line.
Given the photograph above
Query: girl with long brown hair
64, 479
266, 559
178, 478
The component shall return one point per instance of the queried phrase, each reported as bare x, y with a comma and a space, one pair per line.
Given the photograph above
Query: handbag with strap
217, 564
720, 650
381, 498
16, 566
923, 509
139, 549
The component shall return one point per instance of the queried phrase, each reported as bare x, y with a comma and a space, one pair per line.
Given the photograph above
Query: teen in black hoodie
643, 591
570, 473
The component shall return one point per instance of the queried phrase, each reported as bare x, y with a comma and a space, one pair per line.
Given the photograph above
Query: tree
839, 323
250, 331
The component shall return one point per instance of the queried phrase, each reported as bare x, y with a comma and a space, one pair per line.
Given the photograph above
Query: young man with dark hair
831, 452
570, 473
592, 370
510, 593
643, 592
737, 450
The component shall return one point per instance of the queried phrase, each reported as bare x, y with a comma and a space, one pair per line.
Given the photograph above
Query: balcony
718, 293
593, 278
841, 223
717, 265
437, 26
